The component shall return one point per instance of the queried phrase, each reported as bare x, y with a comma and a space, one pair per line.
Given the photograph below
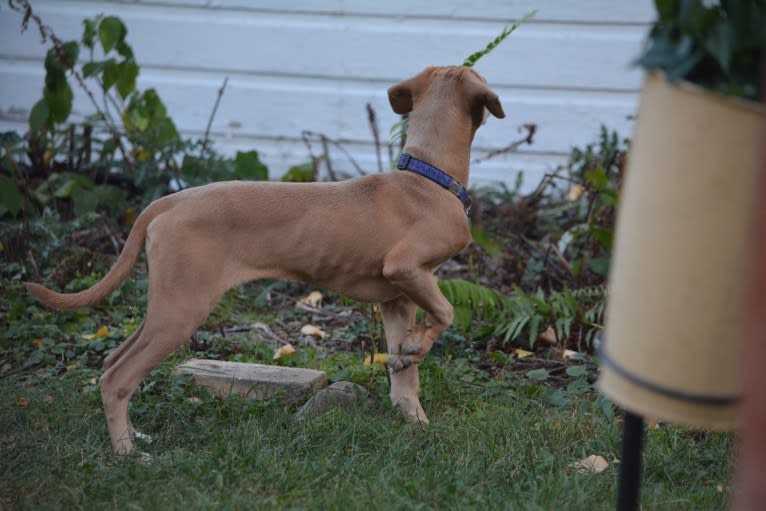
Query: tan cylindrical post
674, 325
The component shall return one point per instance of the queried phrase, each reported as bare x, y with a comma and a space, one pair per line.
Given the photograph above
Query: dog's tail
119, 271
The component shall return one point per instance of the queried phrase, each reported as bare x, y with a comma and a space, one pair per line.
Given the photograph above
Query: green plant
474, 57
471, 302
575, 316
718, 45
125, 155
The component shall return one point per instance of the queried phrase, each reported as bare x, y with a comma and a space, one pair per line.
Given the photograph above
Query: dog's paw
410, 348
397, 363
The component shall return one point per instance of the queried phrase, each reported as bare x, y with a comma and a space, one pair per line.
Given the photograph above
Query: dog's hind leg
398, 319
124, 345
166, 327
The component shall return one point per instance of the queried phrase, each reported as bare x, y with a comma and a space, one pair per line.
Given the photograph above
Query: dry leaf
520, 353
575, 192
548, 336
102, 331
593, 464
652, 423
37, 342
48, 399
720, 488
312, 300
379, 358
313, 331
93, 381
22, 401
285, 350
571, 354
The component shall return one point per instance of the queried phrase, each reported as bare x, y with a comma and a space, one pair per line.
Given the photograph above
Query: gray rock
255, 381
343, 395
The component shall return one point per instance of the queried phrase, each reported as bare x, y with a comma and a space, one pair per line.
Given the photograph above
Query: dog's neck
449, 150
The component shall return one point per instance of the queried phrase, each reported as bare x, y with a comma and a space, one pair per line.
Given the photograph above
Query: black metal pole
629, 482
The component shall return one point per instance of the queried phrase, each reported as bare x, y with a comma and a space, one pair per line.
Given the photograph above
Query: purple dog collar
407, 162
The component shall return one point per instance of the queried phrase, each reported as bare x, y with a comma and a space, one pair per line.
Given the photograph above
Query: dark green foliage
718, 45
119, 159
575, 316
472, 302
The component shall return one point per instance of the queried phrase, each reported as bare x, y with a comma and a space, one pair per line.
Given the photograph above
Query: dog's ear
400, 96
486, 97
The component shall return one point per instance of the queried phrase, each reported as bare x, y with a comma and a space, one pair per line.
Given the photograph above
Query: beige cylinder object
672, 347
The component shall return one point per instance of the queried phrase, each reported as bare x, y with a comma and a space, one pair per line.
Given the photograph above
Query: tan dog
377, 238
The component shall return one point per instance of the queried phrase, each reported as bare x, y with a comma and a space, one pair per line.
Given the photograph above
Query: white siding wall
298, 65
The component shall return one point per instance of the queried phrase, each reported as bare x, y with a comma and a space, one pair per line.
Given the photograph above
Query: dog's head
458, 86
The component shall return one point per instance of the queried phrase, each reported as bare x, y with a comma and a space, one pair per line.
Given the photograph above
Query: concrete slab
255, 381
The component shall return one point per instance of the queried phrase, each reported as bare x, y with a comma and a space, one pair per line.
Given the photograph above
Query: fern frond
474, 57
471, 301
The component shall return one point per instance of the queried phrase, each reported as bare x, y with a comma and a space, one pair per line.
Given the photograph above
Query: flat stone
255, 381
343, 395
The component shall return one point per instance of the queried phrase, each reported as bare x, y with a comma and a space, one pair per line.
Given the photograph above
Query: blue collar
407, 162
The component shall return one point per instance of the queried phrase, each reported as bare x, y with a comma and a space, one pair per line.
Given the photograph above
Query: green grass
494, 443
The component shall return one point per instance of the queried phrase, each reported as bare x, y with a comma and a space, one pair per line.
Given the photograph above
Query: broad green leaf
127, 71
89, 31
110, 74
299, 173
39, 116
124, 49
10, 196
541, 374
93, 68
110, 32
577, 370
59, 103
69, 53
69, 183
247, 165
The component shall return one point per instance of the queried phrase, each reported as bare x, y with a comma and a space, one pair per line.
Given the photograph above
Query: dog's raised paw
397, 363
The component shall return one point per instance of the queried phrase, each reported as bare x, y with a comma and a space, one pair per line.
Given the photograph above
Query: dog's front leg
398, 320
417, 283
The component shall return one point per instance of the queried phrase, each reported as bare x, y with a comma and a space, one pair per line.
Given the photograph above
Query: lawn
501, 437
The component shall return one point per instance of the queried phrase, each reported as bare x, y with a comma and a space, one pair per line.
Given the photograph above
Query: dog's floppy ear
480, 92
400, 96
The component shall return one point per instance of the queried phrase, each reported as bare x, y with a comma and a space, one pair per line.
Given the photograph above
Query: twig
307, 134
513, 146
327, 161
375, 135
206, 138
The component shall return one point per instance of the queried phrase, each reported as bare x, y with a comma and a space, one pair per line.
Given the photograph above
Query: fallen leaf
572, 355
48, 399
93, 381
285, 350
313, 331
102, 331
548, 336
720, 488
379, 358
37, 342
593, 464
652, 423
520, 353
22, 401
312, 300
575, 192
